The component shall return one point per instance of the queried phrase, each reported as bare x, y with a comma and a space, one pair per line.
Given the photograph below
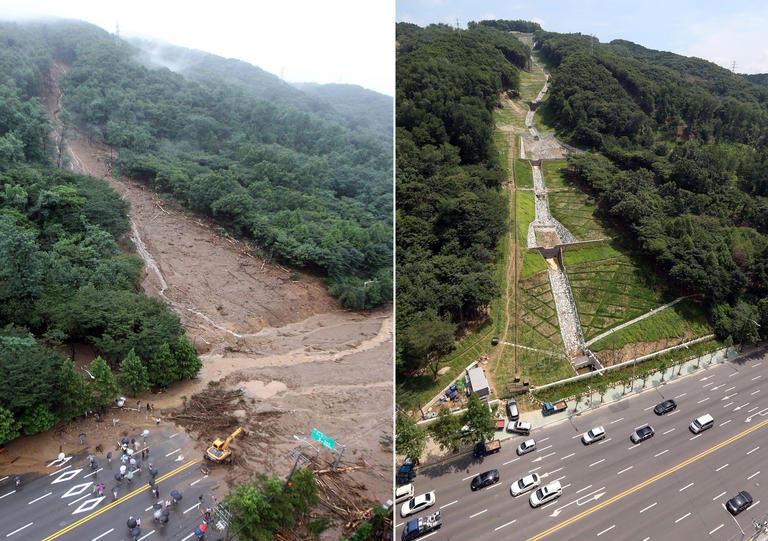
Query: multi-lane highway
60, 505
672, 486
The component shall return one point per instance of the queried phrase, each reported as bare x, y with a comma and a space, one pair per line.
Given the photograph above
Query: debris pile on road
210, 412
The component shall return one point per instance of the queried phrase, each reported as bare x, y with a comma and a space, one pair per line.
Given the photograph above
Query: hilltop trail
271, 331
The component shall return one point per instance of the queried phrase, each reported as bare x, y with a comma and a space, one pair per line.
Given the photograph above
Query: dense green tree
104, 388
38, 419
133, 374
411, 438
479, 419
75, 395
188, 364
446, 430
9, 427
425, 341
162, 368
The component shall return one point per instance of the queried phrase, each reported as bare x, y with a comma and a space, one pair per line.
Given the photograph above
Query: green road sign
322, 438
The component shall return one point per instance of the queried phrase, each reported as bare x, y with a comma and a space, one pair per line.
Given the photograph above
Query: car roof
597, 429
529, 476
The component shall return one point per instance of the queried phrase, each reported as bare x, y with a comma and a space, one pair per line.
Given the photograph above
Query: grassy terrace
685, 320
523, 174
576, 212
531, 83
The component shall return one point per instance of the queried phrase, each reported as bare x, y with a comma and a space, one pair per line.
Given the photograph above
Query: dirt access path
302, 362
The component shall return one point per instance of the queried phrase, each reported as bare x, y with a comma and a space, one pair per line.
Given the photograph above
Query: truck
549, 408
485, 448
519, 427
419, 526
405, 473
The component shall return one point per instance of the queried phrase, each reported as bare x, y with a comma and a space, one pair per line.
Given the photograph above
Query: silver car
521, 486
593, 434
526, 447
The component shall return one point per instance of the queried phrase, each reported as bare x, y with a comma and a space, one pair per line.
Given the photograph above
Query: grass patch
625, 374
531, 83
685, 319
532, 263
526, 213
501, 147
523, 174
554, 173
576, 212
599, 251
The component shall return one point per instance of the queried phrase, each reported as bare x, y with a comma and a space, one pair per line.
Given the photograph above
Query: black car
739, 502
665, 407
512, 413
641, 434
485, 479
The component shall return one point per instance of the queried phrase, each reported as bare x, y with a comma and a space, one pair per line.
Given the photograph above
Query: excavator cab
219, 451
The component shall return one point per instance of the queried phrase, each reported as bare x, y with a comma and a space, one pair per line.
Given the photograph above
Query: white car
593, 434
418, 504
546, 494
521, 486
526, 447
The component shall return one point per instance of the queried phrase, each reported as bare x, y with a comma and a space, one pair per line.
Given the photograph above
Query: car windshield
525, 481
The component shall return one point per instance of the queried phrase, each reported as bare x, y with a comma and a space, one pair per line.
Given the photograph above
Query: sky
722, 31
322, 41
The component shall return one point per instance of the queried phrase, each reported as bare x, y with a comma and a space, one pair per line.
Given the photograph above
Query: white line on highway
694, 437
16, 531
754, 393
507, 462
80, 498
725, 423
757, 364
633, 447
478, 513
684, 516
757, 377
717, 387
625, 469
617, 420
549, 472
583, 489
561, 478
722, 467
40, 498
753, 409
190, 509
544, 448
718, 496
729, 389
705, 378
4, 495
148, 508
661, 453
470, 477
668, 431
193, 483
755, 504
447, 504
57, 472
596, 463
734, 374
173, 452
649, 408
713, 531
728, 404
576, 436
93, 473
604, 441
536, 468
548, 455
172, 436
647, 539
689, 485
751, 476
105, 533
3, 478
145, 536
505, 525
646, 508
702, 400
681, 395
544, 439
671, 414
193, 533
567, 456
753, 450
606, 530
493, 486
708, 384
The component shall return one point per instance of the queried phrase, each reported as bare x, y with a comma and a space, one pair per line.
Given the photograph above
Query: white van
702, 423
404, 492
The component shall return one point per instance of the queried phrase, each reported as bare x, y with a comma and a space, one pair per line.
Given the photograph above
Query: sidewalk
434, 455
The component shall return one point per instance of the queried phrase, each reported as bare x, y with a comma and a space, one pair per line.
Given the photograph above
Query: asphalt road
60, 505
671, 486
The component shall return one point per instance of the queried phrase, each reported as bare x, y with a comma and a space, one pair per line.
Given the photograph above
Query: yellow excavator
219, 451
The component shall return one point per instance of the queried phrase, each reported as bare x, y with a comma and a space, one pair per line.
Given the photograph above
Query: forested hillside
682, 169
307, 191
450, 210
63, 279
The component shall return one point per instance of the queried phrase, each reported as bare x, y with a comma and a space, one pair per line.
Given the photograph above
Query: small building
478, 383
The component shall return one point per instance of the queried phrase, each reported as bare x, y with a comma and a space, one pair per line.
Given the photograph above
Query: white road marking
757, 364
546, 456
686, 486
755, 392
684, 516
543, 439
57, 472
728, 404
4, 495
470, 477
606, 530
190, 509
649, 408
705, 378
668, 431
583, 489
536, 469
576, 436
702, 400
493, 486
625, 469
596, 463
617, 420
719, 495
193, 533
567, 456
646, 508
544, 448
172, 436
77, 500
734, 374
681, 395
717, 387
726, 422
722, 467
753, 409
17, 531
447, 504
604, 441
751, 476
145, 536
708, 384
549, 472
507, 462
671, 414
40, 498
753, 450
713, 531
173, 452
661, 453
505, 525
478, 513
757, 377
93, 473
729, 389
3, 478
105, 533
193, 483
694, 437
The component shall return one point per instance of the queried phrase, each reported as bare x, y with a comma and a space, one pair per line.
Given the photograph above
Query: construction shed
478, 383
